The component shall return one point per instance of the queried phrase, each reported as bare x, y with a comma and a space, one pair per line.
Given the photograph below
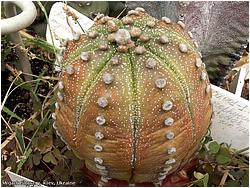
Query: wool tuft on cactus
134, 98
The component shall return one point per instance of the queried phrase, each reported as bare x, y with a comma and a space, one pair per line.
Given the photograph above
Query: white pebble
151, 63
99, 136
60, 85
98, 148
98, 160
167, 105
164, 39
181, 24
166, 20
100, 120
140, 50
170, 161
85, 56
183, 48
171, 150
60, 96
100, 167
160, 83
203, 76
208, 88
168, 121
102, 102
108, 78
170, 135
57, 105
122, 36
70, 69
198, 62
190, 34
54, 116
140, 9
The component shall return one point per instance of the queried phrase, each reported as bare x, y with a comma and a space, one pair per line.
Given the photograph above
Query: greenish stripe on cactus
135, 107
91, 47
168, 62
88, 84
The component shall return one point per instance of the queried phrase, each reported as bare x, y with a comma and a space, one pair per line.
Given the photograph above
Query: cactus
134, 98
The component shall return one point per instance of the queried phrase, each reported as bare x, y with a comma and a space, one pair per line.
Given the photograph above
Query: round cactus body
134, 100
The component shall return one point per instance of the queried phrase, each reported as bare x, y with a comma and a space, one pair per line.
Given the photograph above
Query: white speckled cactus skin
134, 98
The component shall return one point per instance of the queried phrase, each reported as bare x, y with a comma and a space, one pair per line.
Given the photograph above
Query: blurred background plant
30, 146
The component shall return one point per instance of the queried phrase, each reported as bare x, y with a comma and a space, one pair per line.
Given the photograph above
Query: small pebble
85, 56
108, 78
98, 148
133, 12
70, 69
135, 32
203, 76
160, 83
102, 102
100, 120
167, 105
140, 50
93, 34
122, 36
198, 62
164, 39
151, 63
183, 48
60, 85
166, 20
127, 20
140, 9
150, 23
181, 24
168, 121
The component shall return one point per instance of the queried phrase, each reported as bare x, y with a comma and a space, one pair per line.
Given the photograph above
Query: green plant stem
50, 31
7, 94
30, 142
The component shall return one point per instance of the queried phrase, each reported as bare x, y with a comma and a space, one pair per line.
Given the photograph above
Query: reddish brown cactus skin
134, 108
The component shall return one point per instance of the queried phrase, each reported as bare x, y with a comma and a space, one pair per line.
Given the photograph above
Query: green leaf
45, 143
23, 160
28, 174
40, 174
232, 183
25, 85
213, 147
198, 175
36, 102
245, 181
49, 158
57, 154
205, 180
12, 114
202, 179
40, 43
36, 158
223, 156
20, 139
